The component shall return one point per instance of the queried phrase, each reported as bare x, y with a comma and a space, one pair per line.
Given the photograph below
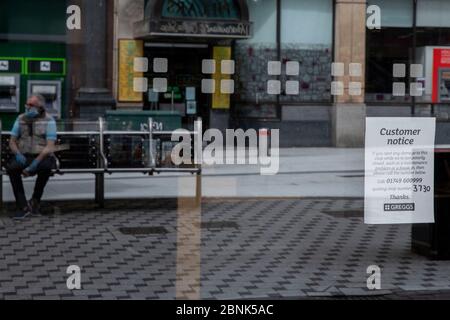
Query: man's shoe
35, 207
23, 214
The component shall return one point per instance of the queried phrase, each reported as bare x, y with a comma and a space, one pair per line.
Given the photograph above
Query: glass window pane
385, 48
252, 58
395, 13
263, 15
433, 36
306, 38
433, 13
307, 22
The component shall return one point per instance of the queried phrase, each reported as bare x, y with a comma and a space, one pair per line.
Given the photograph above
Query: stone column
93, 96
349, 112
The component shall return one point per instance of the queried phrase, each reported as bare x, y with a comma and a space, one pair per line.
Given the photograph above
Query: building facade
298, 35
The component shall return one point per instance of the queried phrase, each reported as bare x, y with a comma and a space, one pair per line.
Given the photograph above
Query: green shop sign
47, 66
11, 65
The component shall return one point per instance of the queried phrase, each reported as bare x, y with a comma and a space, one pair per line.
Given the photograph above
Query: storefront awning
195, 18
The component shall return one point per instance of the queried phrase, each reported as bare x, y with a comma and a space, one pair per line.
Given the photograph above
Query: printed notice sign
399, 170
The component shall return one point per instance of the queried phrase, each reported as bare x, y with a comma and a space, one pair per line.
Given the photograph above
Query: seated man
32, 142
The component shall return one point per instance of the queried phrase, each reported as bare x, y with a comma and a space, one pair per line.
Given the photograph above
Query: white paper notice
399, 170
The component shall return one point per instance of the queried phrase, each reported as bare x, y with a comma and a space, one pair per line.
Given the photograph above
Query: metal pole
173, 101
151, 156
100, 177
198, 189
198, 141
198, 159
278, 38
413, 108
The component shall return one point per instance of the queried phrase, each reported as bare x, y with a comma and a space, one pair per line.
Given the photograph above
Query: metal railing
103, 167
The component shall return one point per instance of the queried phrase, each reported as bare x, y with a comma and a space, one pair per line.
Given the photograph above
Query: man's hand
20, 158
31, 170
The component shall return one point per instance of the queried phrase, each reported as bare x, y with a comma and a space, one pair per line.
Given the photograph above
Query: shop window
395, 13
301, 73
307, 22
385, 48
433, 13
392, 44
306, 39
252, 56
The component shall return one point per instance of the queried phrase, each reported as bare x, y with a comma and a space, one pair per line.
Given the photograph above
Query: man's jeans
43, 172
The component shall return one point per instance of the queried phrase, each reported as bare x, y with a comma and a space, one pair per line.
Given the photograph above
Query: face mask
32, 112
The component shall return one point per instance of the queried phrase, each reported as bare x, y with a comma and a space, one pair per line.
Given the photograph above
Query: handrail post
103, 163
198, 159
101, 142
151, 156
198, 141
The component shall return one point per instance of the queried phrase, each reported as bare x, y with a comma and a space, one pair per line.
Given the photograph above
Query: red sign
445, 56
441, 59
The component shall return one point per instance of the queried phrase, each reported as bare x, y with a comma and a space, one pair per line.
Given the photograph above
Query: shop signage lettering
239, 29
445, 57
158, 126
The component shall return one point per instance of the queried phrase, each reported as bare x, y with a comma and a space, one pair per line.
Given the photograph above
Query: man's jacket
32, 134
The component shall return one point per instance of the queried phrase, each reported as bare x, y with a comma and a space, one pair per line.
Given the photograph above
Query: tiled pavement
274, 248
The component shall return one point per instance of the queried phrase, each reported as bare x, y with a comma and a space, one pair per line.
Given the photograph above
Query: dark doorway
184, 81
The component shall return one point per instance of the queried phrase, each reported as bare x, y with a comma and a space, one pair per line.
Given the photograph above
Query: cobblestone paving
279, 248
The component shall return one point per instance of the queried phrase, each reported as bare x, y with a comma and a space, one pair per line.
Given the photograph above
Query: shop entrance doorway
184, 81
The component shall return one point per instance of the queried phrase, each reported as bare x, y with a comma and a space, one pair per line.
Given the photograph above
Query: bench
100, 151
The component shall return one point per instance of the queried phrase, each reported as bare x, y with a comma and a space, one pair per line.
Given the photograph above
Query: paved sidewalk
306, 172
290, 249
